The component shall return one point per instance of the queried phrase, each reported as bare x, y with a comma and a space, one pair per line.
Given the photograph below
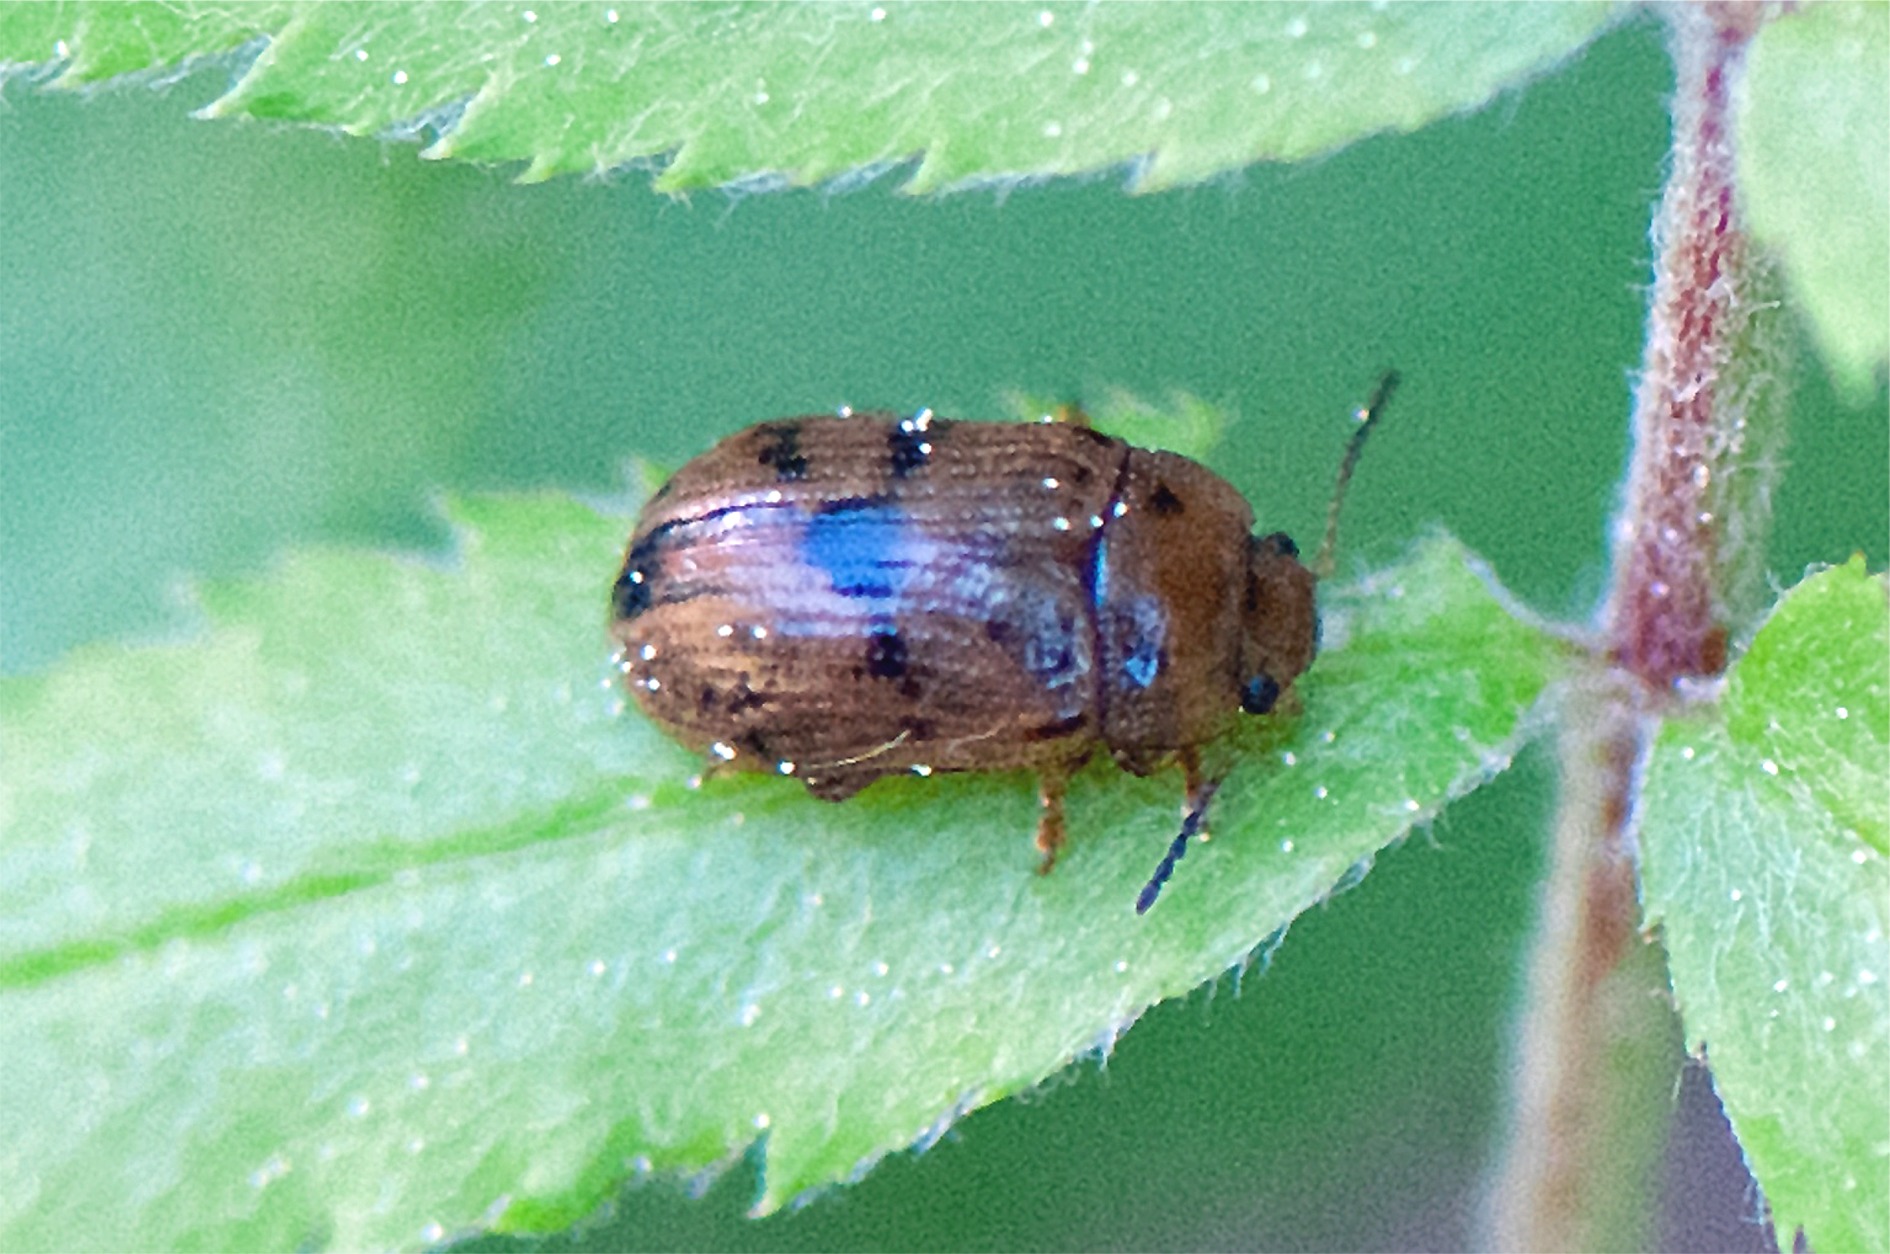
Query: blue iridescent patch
862, 544
1142, 663
1142, 630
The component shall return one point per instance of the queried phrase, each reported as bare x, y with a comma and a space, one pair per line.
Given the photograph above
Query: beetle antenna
1367, 419
1189, 827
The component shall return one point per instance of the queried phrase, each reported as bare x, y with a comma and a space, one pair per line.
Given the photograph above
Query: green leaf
90, 43
1763, 839
371, 916
810, 91
1182, 423
1814, 156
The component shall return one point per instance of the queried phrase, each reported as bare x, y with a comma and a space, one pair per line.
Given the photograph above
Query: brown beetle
841, 598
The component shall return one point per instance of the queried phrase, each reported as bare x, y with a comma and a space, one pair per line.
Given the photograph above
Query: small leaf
370, 917
1814, 154
1181, 424
1763, 839
808, 92
1810, 695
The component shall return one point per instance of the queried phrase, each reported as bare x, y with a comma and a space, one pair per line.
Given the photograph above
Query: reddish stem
1665, 618
1595, 1047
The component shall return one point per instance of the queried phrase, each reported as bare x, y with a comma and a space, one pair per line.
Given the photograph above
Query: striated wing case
844, 598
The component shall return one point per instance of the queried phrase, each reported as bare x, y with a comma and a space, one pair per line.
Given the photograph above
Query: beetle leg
1199, 791
1193, 822
1051, 781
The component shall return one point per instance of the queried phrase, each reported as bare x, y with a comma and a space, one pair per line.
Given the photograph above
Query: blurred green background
220, 341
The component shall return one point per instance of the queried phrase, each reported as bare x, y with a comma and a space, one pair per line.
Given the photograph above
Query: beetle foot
1050, 830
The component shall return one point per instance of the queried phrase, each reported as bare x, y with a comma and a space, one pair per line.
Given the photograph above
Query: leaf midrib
374, 864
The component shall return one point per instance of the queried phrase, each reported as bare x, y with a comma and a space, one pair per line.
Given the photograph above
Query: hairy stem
1666, 616
1597, 1040
1595, 1054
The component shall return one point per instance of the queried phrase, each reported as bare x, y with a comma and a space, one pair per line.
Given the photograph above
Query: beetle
840, 598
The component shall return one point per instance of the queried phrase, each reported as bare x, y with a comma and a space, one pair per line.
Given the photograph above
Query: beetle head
1279, 624
1280, 621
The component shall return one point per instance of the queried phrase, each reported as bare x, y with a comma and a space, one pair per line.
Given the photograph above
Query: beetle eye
1279, 544
1259, 694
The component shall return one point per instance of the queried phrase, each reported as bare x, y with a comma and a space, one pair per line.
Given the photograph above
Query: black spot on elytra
918, 730
1163, 501
781, 449
852, 504
885, 654
738, 700
997, 631
631, 595
909, 449
1057, 730
644, 551
1250, 603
